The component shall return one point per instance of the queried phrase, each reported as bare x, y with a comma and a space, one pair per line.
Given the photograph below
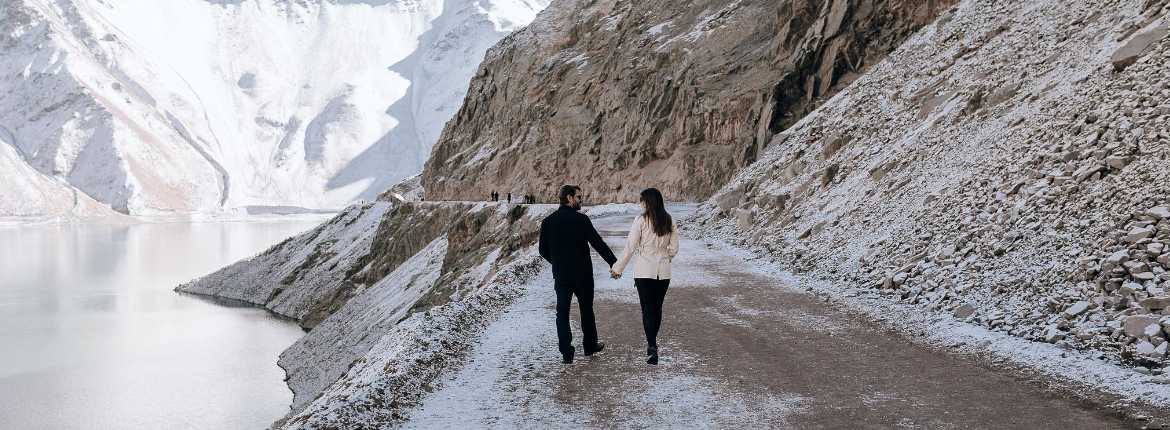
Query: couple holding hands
565, 237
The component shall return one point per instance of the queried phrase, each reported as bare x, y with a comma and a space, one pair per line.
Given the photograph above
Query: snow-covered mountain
202, 106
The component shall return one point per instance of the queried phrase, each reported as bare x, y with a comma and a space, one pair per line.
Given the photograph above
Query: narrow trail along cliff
738, 348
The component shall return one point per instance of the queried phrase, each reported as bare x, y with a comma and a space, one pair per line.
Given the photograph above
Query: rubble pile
1007, 166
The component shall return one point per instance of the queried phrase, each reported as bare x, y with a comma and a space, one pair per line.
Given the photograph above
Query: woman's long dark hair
656, 212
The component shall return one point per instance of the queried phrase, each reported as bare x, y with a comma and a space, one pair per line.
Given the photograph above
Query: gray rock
1136, 47
1144, 276
1138, 233
1115, 259
1152, 330
1052, 334
964, 311
1129, 288
746, 219
1155, 303
1135, 326
1146, 349
1076, 309
1159, 213
1155, 249
729, 200
1117, 162
1135, 267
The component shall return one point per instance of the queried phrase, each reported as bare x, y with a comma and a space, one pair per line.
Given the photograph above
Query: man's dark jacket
565, 237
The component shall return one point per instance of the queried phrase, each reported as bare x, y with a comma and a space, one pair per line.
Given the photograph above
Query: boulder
1052, 334
1153, 330
1076, 309
746, 219
1146, 349
1135, 326
1129, 288
1135, 267
1115, 259
729, 200
964, 311
1155, 303
1117, 162
1138, 233
1137, 46
1159, 213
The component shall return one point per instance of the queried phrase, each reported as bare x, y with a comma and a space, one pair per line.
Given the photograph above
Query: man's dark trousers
583, 289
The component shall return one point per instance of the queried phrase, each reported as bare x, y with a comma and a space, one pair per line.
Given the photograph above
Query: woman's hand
614, 275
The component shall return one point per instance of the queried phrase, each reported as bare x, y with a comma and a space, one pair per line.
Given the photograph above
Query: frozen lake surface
93, 336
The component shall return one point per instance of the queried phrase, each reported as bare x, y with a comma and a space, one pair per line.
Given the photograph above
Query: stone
1115, 259
1129, 288
729, 200
1155, 303
1155, 249
746, 219
1076, 309
1135, 325
1139, 45
962, 312
1138, 233
1135, 266
1160, 350
1159, 213
1052, 334
1152, 330
1146, 349
1117, 162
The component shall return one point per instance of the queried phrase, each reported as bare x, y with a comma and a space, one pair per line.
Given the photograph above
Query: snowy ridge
193, 106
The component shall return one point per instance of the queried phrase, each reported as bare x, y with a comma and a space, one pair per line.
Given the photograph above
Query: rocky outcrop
356, 277
1001, 167
619, 95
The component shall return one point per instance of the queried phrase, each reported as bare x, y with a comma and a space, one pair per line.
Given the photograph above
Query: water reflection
94, 337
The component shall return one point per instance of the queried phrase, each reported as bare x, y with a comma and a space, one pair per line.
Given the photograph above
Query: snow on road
739, 348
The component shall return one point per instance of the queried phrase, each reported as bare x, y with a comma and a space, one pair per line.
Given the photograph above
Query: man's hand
614, 275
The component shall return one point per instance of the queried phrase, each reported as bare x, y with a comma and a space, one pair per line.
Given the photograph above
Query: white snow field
229, 106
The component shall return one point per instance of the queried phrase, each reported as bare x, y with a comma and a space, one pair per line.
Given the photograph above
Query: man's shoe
651, 350
567, 360
596, 349
653, 358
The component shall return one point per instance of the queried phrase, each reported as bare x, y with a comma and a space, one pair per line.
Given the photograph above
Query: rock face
998, 163
622, 95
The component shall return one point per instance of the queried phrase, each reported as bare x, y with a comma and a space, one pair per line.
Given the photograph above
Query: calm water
92, 335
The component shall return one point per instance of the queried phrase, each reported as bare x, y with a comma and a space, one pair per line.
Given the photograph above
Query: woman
655, 238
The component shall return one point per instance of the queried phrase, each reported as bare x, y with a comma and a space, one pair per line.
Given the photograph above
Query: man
565, 237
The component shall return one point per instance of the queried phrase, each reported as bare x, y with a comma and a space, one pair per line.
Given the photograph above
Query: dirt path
737, 349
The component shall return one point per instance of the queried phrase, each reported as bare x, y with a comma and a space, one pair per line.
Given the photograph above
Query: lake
92, 335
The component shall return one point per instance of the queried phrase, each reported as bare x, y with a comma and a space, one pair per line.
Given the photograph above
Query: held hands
614, 275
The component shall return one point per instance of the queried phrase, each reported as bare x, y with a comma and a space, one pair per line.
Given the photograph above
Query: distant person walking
509, 197
565, 237
655, 237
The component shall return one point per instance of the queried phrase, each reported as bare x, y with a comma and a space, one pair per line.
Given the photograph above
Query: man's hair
568, 190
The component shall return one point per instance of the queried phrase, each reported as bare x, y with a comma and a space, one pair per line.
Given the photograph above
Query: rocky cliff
1005, 166
619, 95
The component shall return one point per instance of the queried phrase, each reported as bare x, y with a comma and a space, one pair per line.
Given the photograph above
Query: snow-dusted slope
195, 106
